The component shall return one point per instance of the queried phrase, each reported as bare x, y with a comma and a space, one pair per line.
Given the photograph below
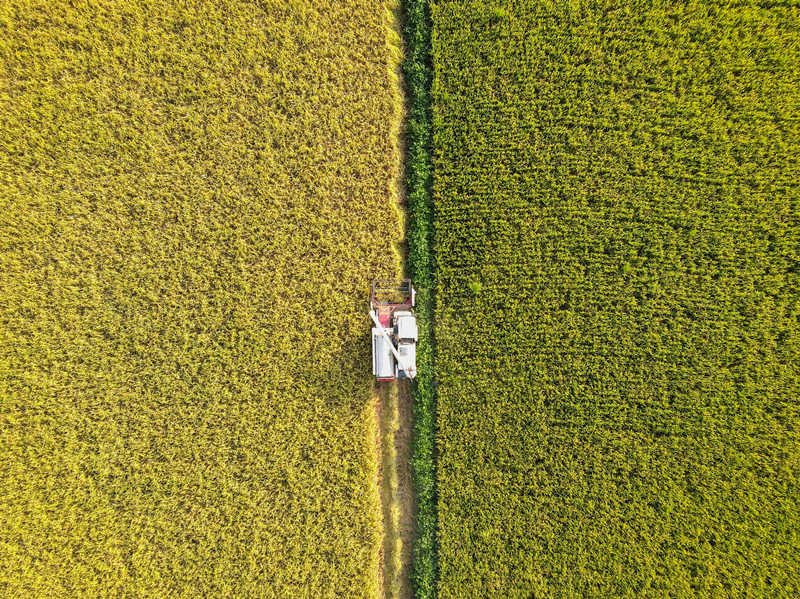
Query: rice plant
616, 210
194, 197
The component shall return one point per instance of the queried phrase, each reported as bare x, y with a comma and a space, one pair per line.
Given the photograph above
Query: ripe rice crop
616, 208
194, 197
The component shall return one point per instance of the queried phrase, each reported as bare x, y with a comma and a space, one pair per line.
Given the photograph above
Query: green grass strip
417, 69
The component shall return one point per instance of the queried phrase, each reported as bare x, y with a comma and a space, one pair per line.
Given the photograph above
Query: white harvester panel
383, 362
408, 354
405, 334
405, 326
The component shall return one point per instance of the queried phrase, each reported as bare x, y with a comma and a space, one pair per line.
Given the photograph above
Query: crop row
420, 233
617, 236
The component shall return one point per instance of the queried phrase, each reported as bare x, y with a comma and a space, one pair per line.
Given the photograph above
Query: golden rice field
193, 198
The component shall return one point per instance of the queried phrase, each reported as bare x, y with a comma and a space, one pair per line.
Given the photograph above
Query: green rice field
616, 195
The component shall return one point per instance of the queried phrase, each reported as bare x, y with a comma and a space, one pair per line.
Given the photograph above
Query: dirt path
394, 415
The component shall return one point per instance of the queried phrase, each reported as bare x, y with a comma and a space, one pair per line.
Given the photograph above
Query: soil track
394, 417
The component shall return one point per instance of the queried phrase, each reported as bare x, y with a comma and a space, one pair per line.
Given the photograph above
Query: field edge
419, 175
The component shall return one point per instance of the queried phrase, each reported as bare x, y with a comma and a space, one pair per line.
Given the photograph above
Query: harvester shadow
388, 406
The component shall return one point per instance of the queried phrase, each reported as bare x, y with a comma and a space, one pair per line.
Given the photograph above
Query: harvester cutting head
394, 336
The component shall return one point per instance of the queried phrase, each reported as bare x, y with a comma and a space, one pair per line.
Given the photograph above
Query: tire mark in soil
394, 416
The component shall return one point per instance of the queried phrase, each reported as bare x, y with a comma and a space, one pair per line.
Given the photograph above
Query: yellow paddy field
193, 199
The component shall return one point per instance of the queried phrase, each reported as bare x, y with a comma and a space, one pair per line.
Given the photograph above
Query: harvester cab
394, 336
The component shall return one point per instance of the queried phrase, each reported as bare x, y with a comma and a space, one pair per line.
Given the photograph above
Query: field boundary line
421, 265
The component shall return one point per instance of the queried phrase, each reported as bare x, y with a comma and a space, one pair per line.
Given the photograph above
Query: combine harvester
394, 336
